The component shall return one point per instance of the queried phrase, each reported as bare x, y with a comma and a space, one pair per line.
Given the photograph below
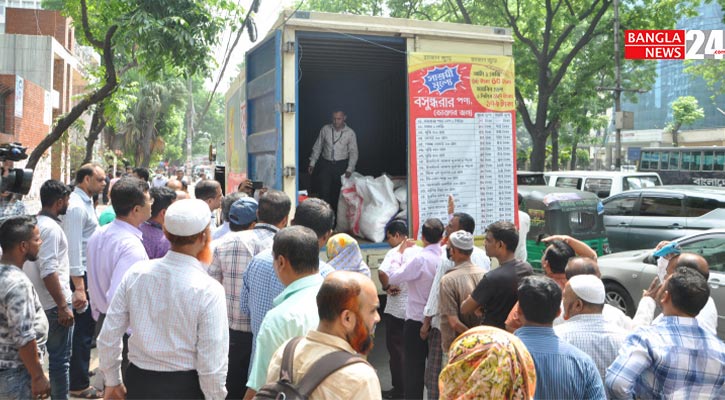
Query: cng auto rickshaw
562, 211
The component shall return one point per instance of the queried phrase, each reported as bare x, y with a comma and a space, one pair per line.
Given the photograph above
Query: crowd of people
181, 306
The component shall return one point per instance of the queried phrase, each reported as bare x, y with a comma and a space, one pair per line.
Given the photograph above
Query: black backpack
285, 389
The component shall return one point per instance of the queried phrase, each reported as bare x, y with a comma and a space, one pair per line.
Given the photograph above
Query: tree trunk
96, 97
555, 149
572, 163
675, 130
538, 152
97, 124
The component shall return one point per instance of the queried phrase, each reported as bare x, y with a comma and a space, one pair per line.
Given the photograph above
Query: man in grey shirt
23, 325
333, 154
79, 224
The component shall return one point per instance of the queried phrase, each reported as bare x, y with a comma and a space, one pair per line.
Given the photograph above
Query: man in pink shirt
418, 273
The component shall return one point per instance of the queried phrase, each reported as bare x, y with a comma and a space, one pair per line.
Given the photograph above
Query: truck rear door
264, 123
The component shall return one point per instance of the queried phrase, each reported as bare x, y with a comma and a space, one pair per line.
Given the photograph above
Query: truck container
430, 102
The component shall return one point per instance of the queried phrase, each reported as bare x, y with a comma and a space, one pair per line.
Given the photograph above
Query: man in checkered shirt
674, 357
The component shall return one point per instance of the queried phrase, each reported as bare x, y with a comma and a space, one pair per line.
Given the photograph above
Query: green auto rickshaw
562, 211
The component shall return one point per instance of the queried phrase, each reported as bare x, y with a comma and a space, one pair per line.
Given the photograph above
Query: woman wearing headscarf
488, 363
343, 253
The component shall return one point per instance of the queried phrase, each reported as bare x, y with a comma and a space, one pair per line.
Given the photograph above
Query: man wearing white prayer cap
177, 315
585, 327
456, 285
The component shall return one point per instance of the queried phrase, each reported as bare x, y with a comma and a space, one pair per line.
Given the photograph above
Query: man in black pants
418, 272
337, 144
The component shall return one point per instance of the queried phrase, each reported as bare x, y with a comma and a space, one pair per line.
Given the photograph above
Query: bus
704, 166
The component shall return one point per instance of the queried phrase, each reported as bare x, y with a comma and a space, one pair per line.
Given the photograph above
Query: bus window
696, 159
649, 160
674, 161
707, 160
719, 161
687, 160
664, 159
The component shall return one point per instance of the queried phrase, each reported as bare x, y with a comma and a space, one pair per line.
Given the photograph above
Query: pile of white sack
367, 204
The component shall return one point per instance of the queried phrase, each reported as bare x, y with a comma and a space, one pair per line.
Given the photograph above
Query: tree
154, 35
685, 110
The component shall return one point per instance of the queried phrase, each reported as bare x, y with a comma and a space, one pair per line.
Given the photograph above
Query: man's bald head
689, 260
582, 266
340, 291
181, 195
348, 304
174, 184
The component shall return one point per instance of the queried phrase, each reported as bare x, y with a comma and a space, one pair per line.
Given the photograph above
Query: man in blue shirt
674, 357
562, 370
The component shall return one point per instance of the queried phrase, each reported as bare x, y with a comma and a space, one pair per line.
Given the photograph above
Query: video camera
14, 180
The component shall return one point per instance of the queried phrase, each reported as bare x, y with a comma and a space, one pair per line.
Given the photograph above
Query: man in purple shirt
152, 231
418, 273
115, 247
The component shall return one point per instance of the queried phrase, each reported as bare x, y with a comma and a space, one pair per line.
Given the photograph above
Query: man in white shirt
178, 316
333, 154
524, 227
396, 232
159, 179
51, 279
79, 223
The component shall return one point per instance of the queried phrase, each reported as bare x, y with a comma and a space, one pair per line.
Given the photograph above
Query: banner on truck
236, 137
462, 111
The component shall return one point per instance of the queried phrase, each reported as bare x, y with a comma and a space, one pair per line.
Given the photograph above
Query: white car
627, 274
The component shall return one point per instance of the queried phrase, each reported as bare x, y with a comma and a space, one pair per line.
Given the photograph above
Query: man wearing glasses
115, 247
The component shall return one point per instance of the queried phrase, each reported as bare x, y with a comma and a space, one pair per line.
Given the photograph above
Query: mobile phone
257, 185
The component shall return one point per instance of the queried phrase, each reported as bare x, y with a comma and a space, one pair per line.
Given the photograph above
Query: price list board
462, 137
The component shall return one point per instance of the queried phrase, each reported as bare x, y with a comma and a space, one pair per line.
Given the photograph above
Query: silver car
639, 219
627, 274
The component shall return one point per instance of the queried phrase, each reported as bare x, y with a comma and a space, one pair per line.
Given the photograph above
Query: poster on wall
462, 137
19, 94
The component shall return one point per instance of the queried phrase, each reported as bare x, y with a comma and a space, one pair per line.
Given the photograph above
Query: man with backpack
327, 363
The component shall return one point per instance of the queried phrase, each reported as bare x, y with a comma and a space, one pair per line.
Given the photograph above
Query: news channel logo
674, 44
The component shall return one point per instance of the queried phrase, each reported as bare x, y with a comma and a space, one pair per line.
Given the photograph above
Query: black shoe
392, 394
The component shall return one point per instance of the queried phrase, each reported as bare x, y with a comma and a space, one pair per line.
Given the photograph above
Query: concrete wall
28, 56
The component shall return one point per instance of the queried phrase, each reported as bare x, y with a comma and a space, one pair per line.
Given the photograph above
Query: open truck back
430, 102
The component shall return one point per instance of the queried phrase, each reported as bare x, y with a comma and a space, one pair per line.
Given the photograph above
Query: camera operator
10, 203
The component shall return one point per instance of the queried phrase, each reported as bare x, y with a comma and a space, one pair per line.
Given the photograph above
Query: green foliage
685, 111
712, 71
160, 34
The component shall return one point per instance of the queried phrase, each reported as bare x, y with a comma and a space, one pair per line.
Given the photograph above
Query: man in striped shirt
562, 370
674, 357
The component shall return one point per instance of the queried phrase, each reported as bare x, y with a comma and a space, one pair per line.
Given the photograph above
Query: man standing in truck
337, 144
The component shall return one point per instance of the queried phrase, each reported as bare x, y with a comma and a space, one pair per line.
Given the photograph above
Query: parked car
627, 274
603, 183
640, 219
528, 178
